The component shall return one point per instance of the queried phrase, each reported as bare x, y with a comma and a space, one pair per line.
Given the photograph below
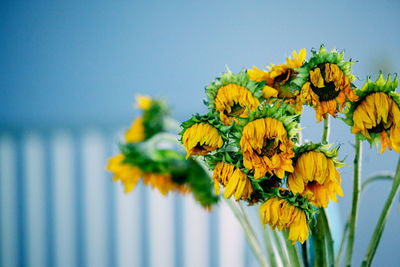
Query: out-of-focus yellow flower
233, 100
280, 214
267, 148
143, 102
136, 132
233, 179
201, 139
278, 77
127, 174
163, 183
316, 178
130, 175
378, 113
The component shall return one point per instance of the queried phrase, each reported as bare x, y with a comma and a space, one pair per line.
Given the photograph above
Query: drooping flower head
130, 174
150, 123
325, 82
284, 213
315, 175
266, 141
232, 95
376, 116
163, 169
278, 77
200, 135
233, 179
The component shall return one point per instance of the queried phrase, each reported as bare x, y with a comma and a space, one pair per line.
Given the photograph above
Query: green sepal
228, 77
320, 57
290, 122
294, 200
211, 118
319, 147
230, 157
173, 163
200, 184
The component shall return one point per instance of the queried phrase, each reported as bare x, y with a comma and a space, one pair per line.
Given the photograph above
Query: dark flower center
328, 92
379, 128
236, 110
270, 148
202, 148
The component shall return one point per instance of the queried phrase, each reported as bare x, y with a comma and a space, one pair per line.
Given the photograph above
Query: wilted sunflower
200, 135
232, 95
280, 214
325, 82
315, 175
233, 179
278, 77
265, 142
129, 175
376, 116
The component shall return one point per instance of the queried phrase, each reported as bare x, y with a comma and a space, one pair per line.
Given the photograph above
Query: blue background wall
78, 64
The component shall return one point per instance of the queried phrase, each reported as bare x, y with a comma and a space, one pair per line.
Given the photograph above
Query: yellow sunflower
325, 82
129, 175
201, 139
233, 95
234, 100
315, 177
280, 214
377, 115
278, 77
233, 179
267, 148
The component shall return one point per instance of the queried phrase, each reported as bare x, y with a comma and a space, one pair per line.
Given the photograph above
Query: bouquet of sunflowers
249, 145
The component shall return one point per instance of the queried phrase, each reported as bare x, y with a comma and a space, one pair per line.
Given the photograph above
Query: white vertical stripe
8, 201
195, 231
128, 235
62, 148
35, 200
231, 239
161, 229
94, 162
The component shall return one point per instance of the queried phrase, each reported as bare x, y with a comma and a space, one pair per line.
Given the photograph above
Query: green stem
380, 176
368, 181
325, 133
282, 250
324, 250
293, 252
328, 236
249, 233
270, 247
356, 197
373, 245
319, 244
343, 241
